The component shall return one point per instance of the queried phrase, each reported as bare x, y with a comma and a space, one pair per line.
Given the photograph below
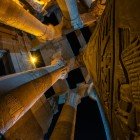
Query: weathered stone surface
24, 97
43, 112
64, 128
112, 59
18, 17
27, 128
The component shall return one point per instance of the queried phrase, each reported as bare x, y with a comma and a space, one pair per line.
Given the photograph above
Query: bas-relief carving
98, 57
117, 68
106, 62
127, 107
128, 110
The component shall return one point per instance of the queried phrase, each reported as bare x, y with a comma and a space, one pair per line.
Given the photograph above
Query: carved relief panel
128, 107
105, 61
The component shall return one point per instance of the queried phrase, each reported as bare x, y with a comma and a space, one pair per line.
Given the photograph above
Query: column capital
75, 95
73, 99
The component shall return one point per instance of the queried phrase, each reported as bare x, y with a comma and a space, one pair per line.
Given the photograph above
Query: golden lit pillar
65, 127
27, 128
14, 15
17, 102
70, 13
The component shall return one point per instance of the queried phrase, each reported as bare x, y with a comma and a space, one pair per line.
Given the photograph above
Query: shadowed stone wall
112, 59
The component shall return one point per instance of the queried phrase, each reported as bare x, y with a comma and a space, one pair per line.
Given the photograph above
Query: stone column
70, 12
93, 95
27, 128
14, 15
65, 127
17, 102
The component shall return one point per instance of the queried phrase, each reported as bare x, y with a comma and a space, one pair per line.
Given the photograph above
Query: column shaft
64, 129
94, 95
17, 102
70, 12
14, 15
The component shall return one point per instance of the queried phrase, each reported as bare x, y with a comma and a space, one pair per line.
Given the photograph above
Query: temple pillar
43, 112
93, 95
14, 15
27, 128
18, 101
15, 80
65, 127
70, 13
